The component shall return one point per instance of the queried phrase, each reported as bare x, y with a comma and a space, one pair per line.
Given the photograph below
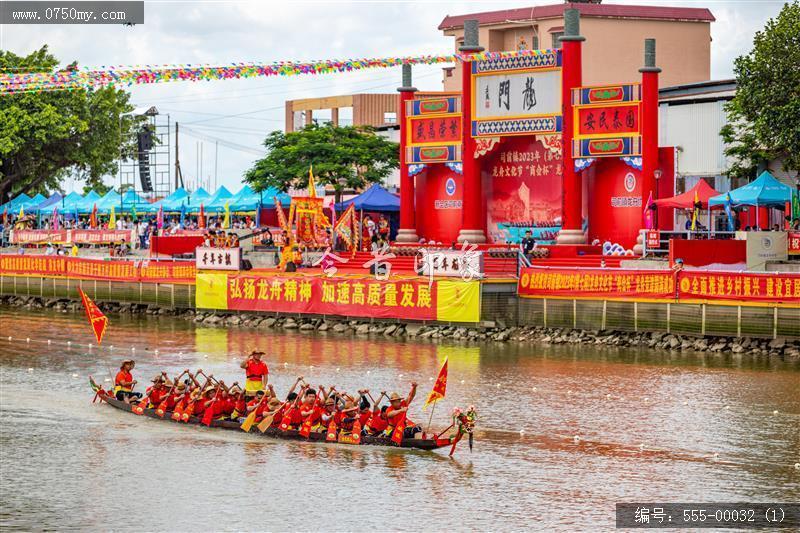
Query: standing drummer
257, 373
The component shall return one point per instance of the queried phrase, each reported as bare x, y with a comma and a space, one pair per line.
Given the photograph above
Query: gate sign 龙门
517, 95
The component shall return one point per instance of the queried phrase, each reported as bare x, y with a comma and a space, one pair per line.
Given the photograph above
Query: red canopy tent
686, 200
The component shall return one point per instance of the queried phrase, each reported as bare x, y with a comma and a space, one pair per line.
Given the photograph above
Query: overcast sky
223, 32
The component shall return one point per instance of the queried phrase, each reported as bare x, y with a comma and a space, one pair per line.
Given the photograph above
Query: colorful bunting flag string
19, 82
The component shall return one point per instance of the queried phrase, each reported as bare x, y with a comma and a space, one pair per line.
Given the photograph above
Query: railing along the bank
697, 302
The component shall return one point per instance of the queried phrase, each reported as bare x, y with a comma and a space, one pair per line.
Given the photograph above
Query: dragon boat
463, 425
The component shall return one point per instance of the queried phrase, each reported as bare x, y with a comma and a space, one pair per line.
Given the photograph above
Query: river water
650, 427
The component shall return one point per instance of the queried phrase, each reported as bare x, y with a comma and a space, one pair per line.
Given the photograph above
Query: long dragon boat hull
277, 433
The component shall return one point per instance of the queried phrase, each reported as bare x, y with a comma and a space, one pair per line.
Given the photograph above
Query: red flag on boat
397, 433
178, 411
305, 429
331, 433
93, 217
141, 406
188, 412
201, 218
357, 431
286, 421
96, 318
208, 415
439, 388
161, 410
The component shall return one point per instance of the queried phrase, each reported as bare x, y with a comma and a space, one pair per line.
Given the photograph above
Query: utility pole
201, 157
216, 156
178, 173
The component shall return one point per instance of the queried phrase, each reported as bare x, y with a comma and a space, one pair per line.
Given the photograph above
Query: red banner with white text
400, 298
80, 268
40, 236
70, 236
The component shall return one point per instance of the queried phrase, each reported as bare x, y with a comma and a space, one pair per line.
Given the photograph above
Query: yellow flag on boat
112, 219
21, 211
226, 222
695, 211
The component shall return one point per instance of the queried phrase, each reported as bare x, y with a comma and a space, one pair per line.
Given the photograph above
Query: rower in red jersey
313, 415
397, 413
203, 401
182, 390
364, 410
257, 403
328, 412
347, 416
156, 393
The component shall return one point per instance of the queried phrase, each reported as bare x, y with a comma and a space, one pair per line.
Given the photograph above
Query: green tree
764, 115
46, 136
344, 157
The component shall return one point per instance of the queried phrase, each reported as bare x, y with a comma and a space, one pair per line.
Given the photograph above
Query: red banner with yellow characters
167, 271
356, 296
685, 285
596, 283
80, 268
767, 287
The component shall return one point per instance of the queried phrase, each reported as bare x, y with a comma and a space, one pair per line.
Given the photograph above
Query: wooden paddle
265, 424
251, 418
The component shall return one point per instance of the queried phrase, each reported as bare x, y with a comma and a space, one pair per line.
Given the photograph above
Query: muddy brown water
650, 427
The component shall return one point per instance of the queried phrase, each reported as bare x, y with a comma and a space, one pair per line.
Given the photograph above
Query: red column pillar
473, 217
571, 74
408, 228
649, 120
649, 129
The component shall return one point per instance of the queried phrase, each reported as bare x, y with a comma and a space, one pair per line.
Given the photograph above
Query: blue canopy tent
49, 204
174, 201
217, 202
268, 196
88, 202
111, 198
376, 198
245, 200
34, 202
14, 202
131, 201
200, 196
764, 191
67, 205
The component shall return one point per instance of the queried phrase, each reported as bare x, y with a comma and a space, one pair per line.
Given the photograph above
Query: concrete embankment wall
500, 308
